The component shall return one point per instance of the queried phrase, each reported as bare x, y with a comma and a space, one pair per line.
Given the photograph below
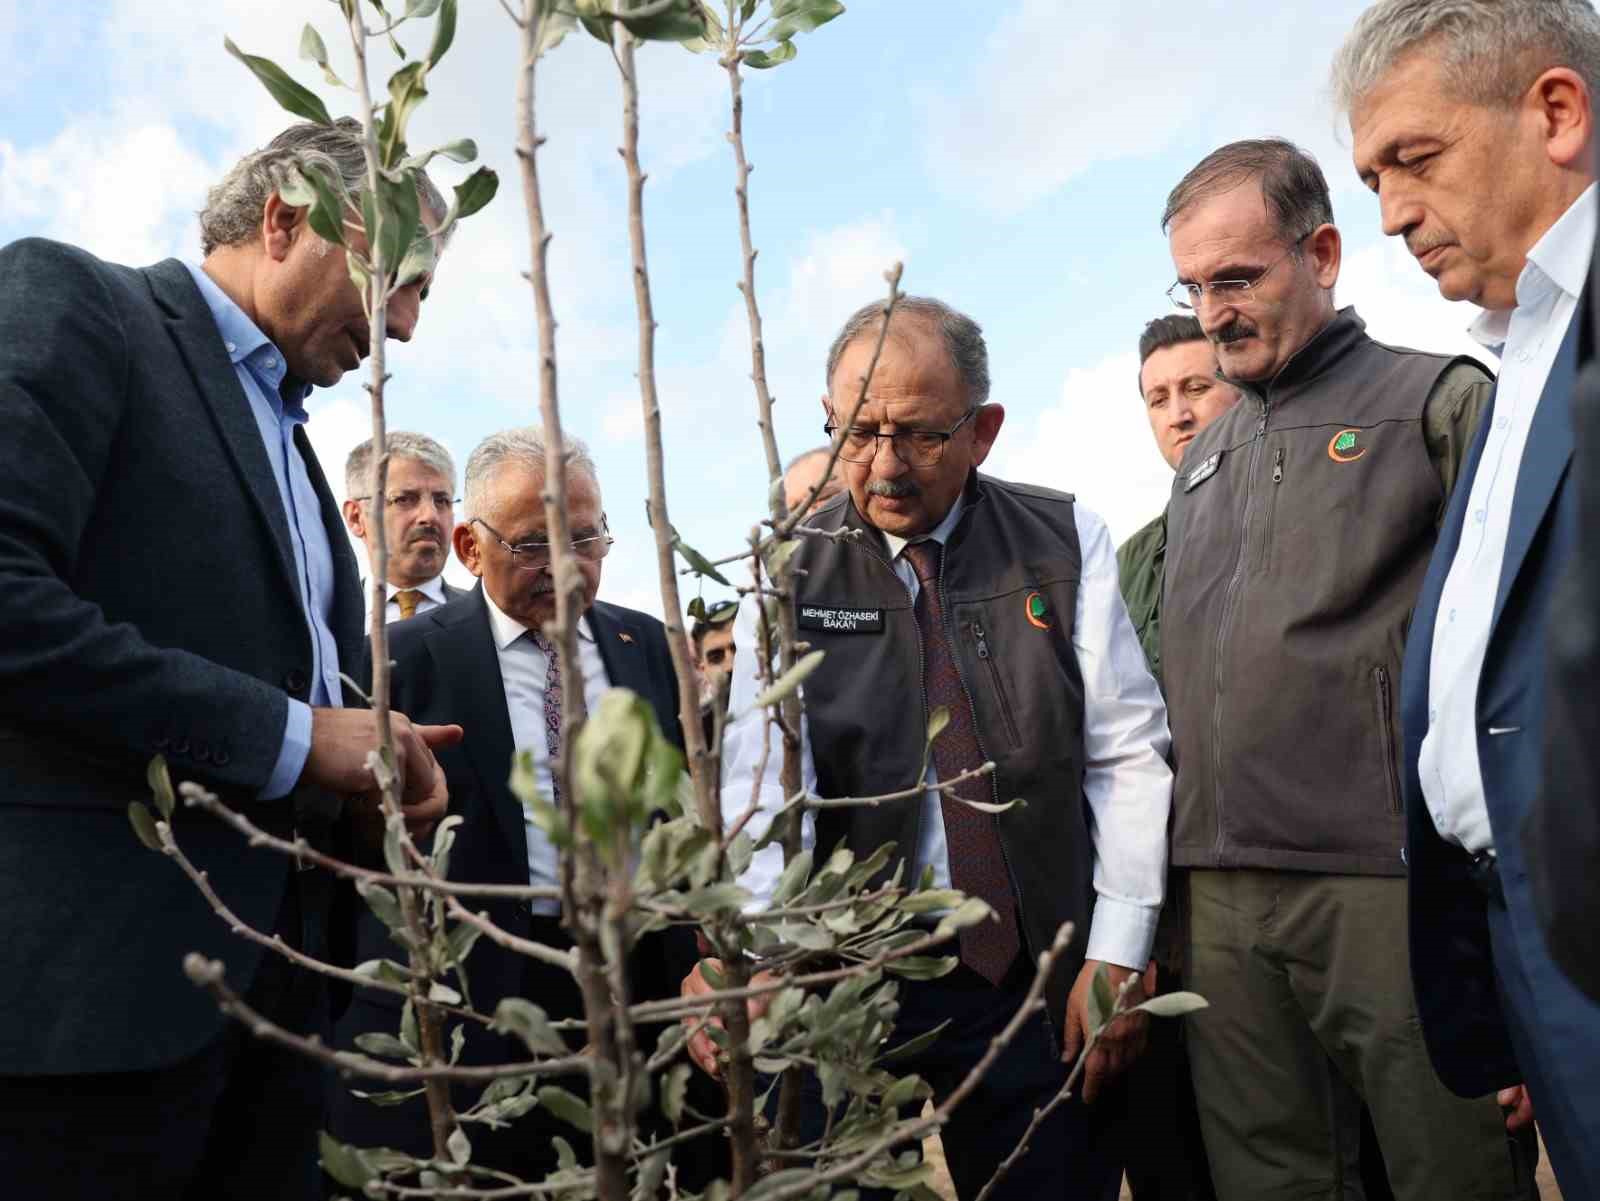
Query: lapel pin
625, 636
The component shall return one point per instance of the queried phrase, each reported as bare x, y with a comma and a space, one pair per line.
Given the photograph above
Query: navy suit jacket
1451, 962
148, 604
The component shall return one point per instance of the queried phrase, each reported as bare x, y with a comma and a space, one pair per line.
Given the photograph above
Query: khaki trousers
1309, 982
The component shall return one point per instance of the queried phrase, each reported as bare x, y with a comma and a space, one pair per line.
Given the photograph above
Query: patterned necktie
972, 837
552, 709
407, 599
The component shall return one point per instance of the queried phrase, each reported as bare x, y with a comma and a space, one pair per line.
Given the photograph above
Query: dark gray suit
148, 604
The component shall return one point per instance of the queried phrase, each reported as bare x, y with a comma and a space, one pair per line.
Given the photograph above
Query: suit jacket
1562, 832
446, 669
1451, 963
148, 604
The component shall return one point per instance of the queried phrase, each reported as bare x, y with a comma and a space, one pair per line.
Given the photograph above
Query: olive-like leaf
1173, 1005
569, 1108
697, 562
375, 1042
519, 1016
474, 192
1102, 1000
761, 60
937, 721
345, 1164
144, 825
680, 21
785, 685
801, 16
160, 781
444, 33
462, 150
421, 8
290, 95
673, 1091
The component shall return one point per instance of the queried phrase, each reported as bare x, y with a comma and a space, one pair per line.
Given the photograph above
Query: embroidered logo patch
1037, 610
839, 619
1346, 447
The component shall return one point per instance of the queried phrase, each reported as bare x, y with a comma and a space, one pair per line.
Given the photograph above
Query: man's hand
1119, 1044
701, 1047
341, 740
1518, 1106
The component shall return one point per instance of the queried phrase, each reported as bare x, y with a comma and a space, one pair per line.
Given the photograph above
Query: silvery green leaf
460, 941
1102, 1000
795, 874
761, 60
740, 851
785, 685
930, 900
937, 721
345, 1164
458, 1040
444, 33
389, 1098
914, 1046
673, 1090
160, 781
1173, 1004
474, 192
922, 967
386, 970
569, 1108
382, 902
385, 1045
557, 22
969, 913
990, 806
290, 95
716, 898
697, 562
801, 16
312, 49
459, 1146
421, 8
516, 1015
144, 825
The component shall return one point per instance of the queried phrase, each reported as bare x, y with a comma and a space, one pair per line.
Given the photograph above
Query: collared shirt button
1523, 356
1452, 614
1433, 715
1479, 516
231, 347
1503, 424
272, 363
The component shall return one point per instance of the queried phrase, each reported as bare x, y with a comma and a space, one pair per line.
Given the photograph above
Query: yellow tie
407, 599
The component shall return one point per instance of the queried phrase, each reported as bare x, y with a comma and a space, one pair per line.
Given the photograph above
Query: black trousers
1075, 1156
238, 1121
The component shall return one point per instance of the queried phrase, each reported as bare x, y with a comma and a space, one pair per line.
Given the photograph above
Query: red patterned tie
977, 864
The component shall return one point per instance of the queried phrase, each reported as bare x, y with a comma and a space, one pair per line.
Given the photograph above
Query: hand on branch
341, 740
1518, 1105
701, 1047
1122, 1040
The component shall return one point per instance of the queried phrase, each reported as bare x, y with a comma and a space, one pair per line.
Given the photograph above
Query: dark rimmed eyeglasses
914, 448
592, 545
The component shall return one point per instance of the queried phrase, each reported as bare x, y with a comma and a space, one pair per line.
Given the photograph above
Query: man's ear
1562, 102
464, 538
1325, 252
281, 224
355, 519
985, 429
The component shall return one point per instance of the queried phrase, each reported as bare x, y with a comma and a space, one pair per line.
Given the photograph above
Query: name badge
839, 619
1202, 473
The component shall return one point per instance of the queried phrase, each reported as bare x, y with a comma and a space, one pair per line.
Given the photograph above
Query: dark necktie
972, 837
408, 599
552, 709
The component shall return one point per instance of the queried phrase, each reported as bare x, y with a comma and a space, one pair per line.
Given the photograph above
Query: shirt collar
940, 533
432, 589
244, 341
507, 630
1558, 260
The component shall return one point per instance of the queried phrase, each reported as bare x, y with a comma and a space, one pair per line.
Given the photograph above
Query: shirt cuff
292, 758
1122, 933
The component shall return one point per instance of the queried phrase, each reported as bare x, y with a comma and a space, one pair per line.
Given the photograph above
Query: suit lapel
1544, 462
465, 657
195, 332
621, 646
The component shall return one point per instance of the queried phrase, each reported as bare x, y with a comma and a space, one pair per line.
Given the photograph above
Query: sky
1014, 155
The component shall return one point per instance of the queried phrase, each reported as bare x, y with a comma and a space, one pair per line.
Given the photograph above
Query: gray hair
525, 447
402, 445
1490, 50
233, 208
963, 338
1292, 184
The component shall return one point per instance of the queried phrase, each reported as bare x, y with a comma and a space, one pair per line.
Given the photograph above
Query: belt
1484, 871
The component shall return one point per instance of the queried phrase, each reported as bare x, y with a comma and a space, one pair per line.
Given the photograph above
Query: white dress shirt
522, 672
1125, 738
1527, 338
432, 597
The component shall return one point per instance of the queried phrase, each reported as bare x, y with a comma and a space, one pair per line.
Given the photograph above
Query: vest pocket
986, 657
1384, 696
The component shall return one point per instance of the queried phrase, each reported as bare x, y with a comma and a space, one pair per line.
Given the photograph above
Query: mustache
1420, 244
1235, 331
897, 489
425, 534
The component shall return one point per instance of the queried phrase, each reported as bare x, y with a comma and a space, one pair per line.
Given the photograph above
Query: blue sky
1015, 155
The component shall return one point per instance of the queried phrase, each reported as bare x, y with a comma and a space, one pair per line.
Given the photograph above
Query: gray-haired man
175, 579
418, 517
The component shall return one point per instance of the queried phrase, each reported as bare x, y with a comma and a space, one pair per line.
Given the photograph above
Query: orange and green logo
1346, 447
1037, 611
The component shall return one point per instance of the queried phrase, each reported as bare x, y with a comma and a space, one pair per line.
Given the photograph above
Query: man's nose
1399, 213
405, 307
885, 463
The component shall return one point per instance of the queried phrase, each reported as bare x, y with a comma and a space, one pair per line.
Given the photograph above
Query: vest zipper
1380, 678
1256, 442
1265, 558
999, 688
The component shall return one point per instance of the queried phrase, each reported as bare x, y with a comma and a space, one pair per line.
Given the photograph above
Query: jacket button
202, 753
296, 683
220, 757
162, 742
180, 746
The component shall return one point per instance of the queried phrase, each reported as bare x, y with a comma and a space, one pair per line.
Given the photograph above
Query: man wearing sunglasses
484, 657
1299, 531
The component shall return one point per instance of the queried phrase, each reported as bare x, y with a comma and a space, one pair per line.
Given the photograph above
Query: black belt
1484, 871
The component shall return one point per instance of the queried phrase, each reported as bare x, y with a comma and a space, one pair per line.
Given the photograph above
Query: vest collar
1327, 347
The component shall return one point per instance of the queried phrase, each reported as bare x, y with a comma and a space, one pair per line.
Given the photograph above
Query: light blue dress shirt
261, 370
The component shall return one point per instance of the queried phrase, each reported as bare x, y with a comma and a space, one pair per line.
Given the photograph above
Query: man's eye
857, 437
924, 441
1230, 287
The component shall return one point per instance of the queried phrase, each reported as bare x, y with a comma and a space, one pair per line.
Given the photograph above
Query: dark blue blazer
1451, 962
148, 604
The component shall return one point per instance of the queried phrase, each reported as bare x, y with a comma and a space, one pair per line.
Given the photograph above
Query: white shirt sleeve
743, 739
1126, 778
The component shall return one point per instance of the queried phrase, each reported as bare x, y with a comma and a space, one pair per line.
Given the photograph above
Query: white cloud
1402, 306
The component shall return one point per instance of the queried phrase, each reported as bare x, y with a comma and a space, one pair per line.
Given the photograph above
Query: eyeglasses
410, 502
914, 448
1232, 292
592, 545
